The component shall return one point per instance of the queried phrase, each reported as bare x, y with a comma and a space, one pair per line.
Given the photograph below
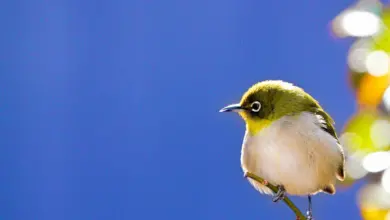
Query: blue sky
110, 108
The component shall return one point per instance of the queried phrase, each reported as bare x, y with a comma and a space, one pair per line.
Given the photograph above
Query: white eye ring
256, 106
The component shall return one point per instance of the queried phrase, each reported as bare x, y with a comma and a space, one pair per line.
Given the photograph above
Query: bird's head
268, 101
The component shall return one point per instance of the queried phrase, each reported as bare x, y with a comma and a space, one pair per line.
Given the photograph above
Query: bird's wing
327, 124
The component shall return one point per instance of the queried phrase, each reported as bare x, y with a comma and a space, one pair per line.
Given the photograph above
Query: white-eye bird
290, 141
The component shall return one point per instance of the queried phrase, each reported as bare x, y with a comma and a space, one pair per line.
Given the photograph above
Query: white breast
294, 152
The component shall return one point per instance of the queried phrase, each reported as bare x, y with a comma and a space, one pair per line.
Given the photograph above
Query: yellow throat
253, 126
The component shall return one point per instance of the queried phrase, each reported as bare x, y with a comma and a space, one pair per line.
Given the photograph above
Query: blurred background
109, 109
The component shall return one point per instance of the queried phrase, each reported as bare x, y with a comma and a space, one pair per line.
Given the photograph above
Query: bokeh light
374, 202
371, 89
360, 23
366, 135
377, 63
386, 100
376, 161
360, 133
358, 53
359, 20
354, 167
382, 39
386, 180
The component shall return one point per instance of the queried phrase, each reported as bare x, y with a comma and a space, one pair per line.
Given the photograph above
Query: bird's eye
255, 106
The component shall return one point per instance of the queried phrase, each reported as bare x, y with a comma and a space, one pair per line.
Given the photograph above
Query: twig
286, 200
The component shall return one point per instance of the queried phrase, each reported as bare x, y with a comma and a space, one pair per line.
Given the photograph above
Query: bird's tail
329, 189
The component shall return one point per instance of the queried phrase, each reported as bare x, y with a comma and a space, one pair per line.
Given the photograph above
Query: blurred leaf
372, 213
359, 135
371, 89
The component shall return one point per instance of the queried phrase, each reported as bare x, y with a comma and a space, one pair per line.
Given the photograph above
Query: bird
290, 141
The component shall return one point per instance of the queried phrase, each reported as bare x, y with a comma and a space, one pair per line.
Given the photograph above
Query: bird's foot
309, 215
280, 195
309, 212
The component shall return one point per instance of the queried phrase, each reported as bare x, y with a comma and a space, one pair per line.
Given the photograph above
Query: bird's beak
232, 108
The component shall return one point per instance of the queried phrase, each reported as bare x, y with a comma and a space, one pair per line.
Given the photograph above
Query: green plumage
279, 99
329, 123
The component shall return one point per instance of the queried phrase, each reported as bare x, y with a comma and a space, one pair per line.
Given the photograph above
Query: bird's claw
309, 212
309, 215
277, 198
280, 195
